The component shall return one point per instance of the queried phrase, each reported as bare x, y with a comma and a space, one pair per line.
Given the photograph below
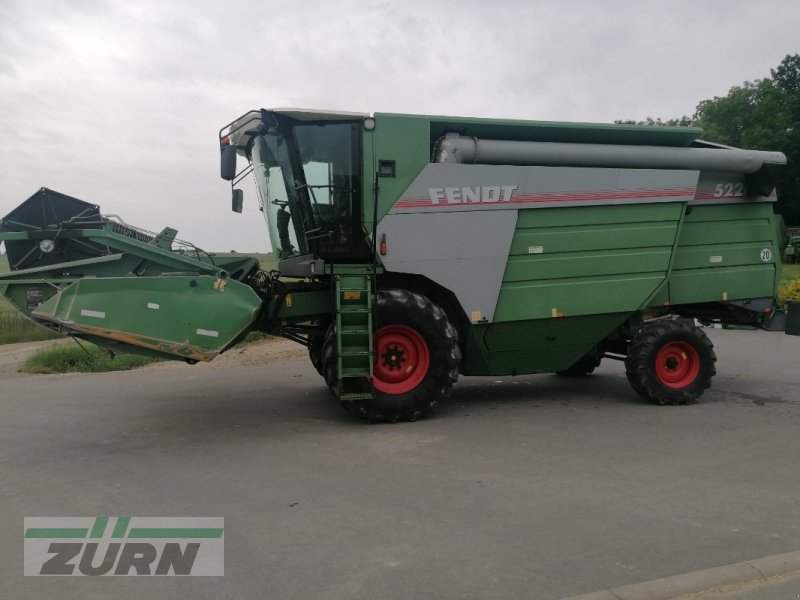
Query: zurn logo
469, 195
95, 546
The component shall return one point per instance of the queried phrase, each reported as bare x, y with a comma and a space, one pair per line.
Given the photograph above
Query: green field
13, 326
790, 272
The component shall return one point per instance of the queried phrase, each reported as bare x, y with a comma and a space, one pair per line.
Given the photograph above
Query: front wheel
416, 359
671, 362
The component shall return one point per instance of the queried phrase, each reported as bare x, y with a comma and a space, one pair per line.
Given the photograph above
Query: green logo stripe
99, 527
56, 532
175, 532
121, 527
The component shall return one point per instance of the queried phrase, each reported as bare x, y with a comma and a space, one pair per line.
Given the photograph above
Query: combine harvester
415, 248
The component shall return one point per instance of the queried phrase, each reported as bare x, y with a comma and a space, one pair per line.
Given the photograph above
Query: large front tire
416, 361
671, 362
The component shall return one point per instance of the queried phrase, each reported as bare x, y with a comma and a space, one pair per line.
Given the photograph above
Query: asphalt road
528, 487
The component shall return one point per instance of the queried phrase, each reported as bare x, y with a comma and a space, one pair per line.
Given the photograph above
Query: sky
119, 103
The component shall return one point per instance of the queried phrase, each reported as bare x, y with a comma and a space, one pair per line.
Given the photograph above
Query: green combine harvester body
413, 249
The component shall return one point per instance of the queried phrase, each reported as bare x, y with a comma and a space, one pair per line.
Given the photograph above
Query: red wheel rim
677, 365
401, 359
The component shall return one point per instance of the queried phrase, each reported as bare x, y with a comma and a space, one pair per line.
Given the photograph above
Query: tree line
760, 115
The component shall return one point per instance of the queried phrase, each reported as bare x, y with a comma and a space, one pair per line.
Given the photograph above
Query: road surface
528, 487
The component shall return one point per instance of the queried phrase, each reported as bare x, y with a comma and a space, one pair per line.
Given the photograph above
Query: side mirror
227, 169
237, 200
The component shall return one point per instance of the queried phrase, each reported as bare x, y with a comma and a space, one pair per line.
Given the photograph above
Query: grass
790, 272
255, 336
14, 327
71, 358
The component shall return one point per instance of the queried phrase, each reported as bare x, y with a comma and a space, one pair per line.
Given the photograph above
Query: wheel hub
677, 364
402, 359
394, 357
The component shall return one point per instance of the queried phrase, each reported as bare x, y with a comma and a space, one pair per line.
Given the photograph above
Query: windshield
327, 155
308, 178
272, 169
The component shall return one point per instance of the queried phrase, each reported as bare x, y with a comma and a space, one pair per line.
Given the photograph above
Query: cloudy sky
119, 102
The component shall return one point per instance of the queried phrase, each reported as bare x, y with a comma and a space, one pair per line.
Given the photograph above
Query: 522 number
726, 190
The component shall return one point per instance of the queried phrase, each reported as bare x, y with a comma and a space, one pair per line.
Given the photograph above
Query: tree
763, 115
760, 115
684, 121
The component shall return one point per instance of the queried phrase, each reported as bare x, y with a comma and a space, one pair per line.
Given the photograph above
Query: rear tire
417, 358
671, 362
583, 366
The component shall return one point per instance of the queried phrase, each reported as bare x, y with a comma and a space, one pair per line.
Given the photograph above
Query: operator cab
307, 169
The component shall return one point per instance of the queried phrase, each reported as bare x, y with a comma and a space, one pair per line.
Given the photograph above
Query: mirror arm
242, 174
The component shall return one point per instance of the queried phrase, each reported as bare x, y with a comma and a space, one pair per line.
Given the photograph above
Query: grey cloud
119, 102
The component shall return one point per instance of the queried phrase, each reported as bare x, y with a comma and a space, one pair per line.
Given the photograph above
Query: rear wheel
583, 366
671, 362
416, 359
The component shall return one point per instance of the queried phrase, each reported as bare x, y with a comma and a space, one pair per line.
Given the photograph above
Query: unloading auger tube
456, 148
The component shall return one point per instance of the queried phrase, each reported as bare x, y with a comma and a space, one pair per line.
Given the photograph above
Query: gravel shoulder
268, 351
13, 355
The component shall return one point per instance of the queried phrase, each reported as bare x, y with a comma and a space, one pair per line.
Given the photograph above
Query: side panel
589, 248
539, 346
466, 252
595, 260
589, 240
453, 187
586, 248
726, 252
406, 141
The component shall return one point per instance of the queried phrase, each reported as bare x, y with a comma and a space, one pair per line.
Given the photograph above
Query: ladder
353, 291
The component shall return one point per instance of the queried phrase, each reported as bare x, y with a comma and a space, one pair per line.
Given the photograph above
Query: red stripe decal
420, 202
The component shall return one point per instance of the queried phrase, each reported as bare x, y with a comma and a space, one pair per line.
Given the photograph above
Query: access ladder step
353, 293
352, 330
356, 372
356, 351
356, 396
